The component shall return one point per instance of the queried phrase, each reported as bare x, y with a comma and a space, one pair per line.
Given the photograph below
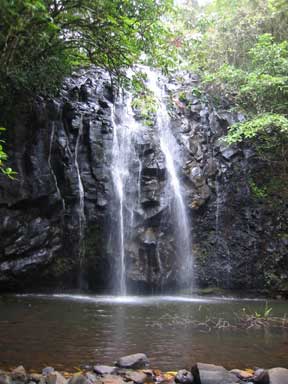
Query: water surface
66, 331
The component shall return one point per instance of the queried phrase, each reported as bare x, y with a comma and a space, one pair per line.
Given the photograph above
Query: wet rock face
232, 235
59, 200
56, 217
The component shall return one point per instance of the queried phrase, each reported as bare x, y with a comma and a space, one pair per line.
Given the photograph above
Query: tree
43, 40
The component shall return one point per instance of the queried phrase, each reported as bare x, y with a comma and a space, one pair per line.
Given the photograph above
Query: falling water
82, 218
170, 149
125, 130
126, 171
50, 165
218, 208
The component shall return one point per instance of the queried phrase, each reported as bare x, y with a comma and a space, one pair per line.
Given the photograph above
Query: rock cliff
57, 217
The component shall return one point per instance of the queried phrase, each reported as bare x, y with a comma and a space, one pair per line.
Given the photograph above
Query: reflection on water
68, 330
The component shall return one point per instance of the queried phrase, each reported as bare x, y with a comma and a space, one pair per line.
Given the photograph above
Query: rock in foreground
136, 361
184, 377
278, 376
212, 374
104, 369
131, 370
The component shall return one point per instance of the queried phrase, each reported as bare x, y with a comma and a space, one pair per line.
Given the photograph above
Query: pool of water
66, 331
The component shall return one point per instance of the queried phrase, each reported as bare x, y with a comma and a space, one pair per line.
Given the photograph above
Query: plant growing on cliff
145, 104
3, 158
266, 127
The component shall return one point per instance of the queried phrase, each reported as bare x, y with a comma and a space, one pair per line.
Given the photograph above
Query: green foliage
266, 311
261, 125
264, 314
3, 158
240, 50
257, 191
182, 96
32, 56
145, 104
263, 86
43, 40
225, 31
244, 57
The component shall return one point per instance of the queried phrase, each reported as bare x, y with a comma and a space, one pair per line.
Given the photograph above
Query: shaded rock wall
55, 236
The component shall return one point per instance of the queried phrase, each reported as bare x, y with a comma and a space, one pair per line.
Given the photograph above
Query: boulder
184, 377
136, 377
229, 152
112, 379
261, 376
278, 375
4, 379
104, 369
36, 378
78, 379
47, 370
135, 361
197, 177
212, 374
91, 378
55, 378
19, 374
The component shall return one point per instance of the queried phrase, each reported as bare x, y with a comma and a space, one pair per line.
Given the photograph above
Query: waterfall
82, 218
171, 151
125, 129
218, 209
129, 136
51, 168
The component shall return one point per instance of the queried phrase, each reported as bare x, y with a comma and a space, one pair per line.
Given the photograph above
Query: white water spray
125, 129
82, 218
171, 151
50, 165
